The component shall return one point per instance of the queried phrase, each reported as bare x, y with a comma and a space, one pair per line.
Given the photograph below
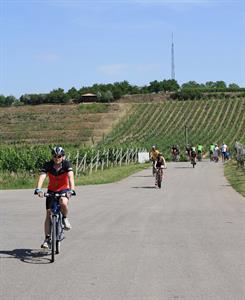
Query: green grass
25, 181
110, 175
235, 176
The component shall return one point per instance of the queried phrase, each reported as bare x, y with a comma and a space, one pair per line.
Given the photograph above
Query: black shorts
49, 199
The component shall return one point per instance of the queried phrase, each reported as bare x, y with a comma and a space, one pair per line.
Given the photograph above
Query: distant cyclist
175, 152
188, 151
216, 153
153, 156
199, 151
160, 165
211, 151
224, 151
61, 179
193, 154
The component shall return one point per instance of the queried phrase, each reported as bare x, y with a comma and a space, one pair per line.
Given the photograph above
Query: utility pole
172, 59
186, 135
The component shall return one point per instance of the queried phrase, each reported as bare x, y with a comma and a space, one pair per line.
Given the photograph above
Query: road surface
130, 241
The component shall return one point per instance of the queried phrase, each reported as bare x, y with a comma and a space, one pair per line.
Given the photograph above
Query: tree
2, 100
9, 100
154, 87
170, 85
58, 96
106, 96
210, 84
190, 85
73, 94
233, 86
220, 85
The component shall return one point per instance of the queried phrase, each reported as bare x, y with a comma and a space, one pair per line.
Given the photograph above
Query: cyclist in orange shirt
61, 179
153, 157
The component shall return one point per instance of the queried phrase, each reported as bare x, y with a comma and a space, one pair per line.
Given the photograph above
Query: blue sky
53, 44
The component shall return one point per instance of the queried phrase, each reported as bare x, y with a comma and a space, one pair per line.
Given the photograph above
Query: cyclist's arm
71, 180
164, 163
41, 180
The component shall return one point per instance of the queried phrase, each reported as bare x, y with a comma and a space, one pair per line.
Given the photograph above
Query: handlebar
55, 194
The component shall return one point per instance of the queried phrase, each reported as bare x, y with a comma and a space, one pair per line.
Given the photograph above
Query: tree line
113, 91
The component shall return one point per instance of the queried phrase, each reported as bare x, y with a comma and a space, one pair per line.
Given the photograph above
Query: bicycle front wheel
53, 238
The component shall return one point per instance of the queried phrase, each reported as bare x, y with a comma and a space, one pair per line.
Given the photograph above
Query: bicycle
199, 156
175, 156
159, 176
193, 161
56, 224
153, 168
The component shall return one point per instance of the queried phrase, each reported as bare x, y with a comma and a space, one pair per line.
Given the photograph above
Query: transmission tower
172, 59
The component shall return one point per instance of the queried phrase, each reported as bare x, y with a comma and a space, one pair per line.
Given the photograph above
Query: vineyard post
97, 160
91, 166
120, 156
77, 163
85, 162
107, 158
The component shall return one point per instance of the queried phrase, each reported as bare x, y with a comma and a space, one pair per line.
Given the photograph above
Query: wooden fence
104, 159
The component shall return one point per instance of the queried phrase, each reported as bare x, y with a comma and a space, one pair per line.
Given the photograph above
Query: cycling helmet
153, 147
58, 151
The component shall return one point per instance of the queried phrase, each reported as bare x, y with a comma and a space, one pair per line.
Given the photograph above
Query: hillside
82, 124
134, 124
170, 122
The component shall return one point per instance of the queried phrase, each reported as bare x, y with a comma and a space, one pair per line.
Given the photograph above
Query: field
120, 125
181, 122
83, 124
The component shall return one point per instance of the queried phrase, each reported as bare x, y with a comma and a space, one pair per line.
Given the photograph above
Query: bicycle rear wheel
57, 247
159, 179
53, 238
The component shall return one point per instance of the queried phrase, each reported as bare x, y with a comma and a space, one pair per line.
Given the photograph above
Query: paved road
130, 241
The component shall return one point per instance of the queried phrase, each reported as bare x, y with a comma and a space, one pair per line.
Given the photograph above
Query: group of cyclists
61, 176
215, 152
192, 152
197, 152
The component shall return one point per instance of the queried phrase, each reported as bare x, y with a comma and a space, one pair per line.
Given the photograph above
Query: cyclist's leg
64, 211
47, 223
156, 177
64, 206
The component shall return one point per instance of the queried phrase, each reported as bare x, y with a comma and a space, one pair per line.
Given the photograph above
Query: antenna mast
172, 59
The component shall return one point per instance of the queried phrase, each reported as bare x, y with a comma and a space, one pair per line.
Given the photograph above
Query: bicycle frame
159, 175
57, 228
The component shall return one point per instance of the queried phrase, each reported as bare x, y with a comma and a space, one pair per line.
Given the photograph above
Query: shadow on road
31, 256
187, 167
143, 187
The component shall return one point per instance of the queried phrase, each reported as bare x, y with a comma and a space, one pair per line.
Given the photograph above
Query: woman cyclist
61, 179
160, 165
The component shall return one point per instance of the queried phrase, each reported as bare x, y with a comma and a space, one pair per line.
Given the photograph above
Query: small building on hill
89, 97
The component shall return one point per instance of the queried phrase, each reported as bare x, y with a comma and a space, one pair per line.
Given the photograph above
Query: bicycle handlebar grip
37, 191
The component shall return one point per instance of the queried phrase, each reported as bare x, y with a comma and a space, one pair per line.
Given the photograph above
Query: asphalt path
130, 241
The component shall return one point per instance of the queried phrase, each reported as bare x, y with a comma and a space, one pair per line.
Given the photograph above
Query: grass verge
26, 181
235, 176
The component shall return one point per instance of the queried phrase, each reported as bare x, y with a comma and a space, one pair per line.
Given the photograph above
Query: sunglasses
57, 156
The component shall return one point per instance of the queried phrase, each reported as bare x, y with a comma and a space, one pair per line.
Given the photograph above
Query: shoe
46, 244
66, 223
